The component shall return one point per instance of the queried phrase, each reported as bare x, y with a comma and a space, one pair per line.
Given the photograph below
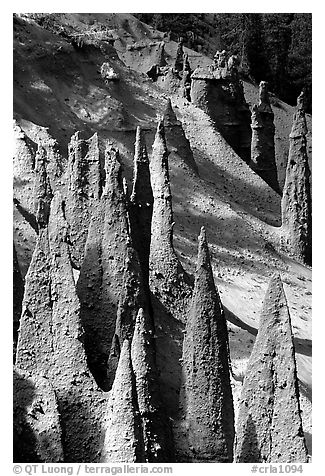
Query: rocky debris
141, 205
108, 73
262, 146
36, 420
108, 253
157, 437
218, 91
175, 137
206, 402
178, 64
18, 294
168, 281
50, 338
123, 437
42, 189
296, 198
83, 191
269, 427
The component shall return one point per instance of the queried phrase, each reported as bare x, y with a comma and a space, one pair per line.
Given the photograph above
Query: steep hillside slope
59, 89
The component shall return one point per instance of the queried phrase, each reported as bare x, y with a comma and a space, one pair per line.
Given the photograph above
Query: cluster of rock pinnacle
105, 279
218, 90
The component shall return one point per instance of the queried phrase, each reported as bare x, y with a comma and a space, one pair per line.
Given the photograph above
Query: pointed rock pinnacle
132, 297
140, 206
206, 397
176, 139
50, 338
156, 431
83, 191
269, 427
169, 117
168, 279
42, 189
34, 347
178, 65
296, 198
141, 189
263, 98
109, 266
122, 443
262, 142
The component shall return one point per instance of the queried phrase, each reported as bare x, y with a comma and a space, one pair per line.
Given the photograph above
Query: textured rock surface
141, 205
42, 189
50, 337
175, 137
80, 401
122, 443
36, 426
269, 427
84, 189
219, 92
102, 275
206, 403
296, 199
262, 146
18, 294
23, 168
132, 296
186, 78
168, 280
178, 64
157, 437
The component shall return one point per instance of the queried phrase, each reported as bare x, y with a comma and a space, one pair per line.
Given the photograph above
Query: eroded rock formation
175, 137
269, 427
84, 189
42, 189
206, 402
123, 436
168, 281
157, 437
36, 420
141, 205
108, 252
186, 78
218, 90
296, 198
50, 337
178, 64
18, 294
262, 146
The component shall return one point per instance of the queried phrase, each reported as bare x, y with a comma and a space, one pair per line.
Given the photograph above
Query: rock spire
168, 280
262, 145
50, 337
296, 198
108, 254
269, 427
157, 438
122, 443
42, 189
175, 137
141, 205
206, 398
84, 189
